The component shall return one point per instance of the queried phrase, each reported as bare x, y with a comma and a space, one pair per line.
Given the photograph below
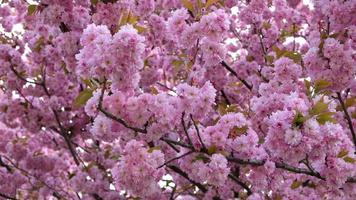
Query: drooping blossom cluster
177, 99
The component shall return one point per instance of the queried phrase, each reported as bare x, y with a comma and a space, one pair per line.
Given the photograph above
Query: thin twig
177, 143
198, 133
22, 78
225, 97
246, 161
185, 130
175, 158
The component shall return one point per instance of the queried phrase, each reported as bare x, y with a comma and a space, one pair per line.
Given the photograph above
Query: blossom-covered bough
177, 99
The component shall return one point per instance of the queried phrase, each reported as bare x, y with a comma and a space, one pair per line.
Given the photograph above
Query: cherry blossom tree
178, 99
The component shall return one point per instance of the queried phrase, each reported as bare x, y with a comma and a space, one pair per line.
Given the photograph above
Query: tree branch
176, 158
242, 184
7, 197
245, 161
298, 170
224, 64
198, 133
185, 130
348, 118
115, 118
185, 175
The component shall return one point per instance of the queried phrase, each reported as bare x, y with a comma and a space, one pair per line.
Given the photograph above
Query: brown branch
177, 143
7, 196
115, 118
246, 161
2, 164
175, 158
257, 163
185, 175
242, 184
298, 170
351, 180
62, 132
198, 133
223, 94
186, 131
18, 75
348, 118
224, 64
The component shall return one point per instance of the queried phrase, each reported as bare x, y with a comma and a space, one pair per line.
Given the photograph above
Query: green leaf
321, 85
224, 108
71, 175
250, 58
63, 65
188, 5
150, 150
296, 184
212, 149
237, 131
177, 64
39, 43
31, 9
334, 35
201, 157
353, 115
318, 108
295, 56
326, 117
349, 160
87, 82
350, 102
298, 120
210, 2
307, 86
94, 2
342, 153
83, 97
266, 25
269, 59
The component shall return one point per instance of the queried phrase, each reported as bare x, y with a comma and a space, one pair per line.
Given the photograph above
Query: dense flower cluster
177, 99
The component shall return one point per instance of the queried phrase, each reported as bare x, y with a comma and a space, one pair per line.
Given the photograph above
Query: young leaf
325, 117
150, 150
31, 9
298, 120
212, 149
38, 44
296, 184
94, 2
342, 153
318, 108
349, 160
321, 85
237, 131
307, 86
295, 56
201, 157
188, 5
350, 102
210, 2
83, 97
